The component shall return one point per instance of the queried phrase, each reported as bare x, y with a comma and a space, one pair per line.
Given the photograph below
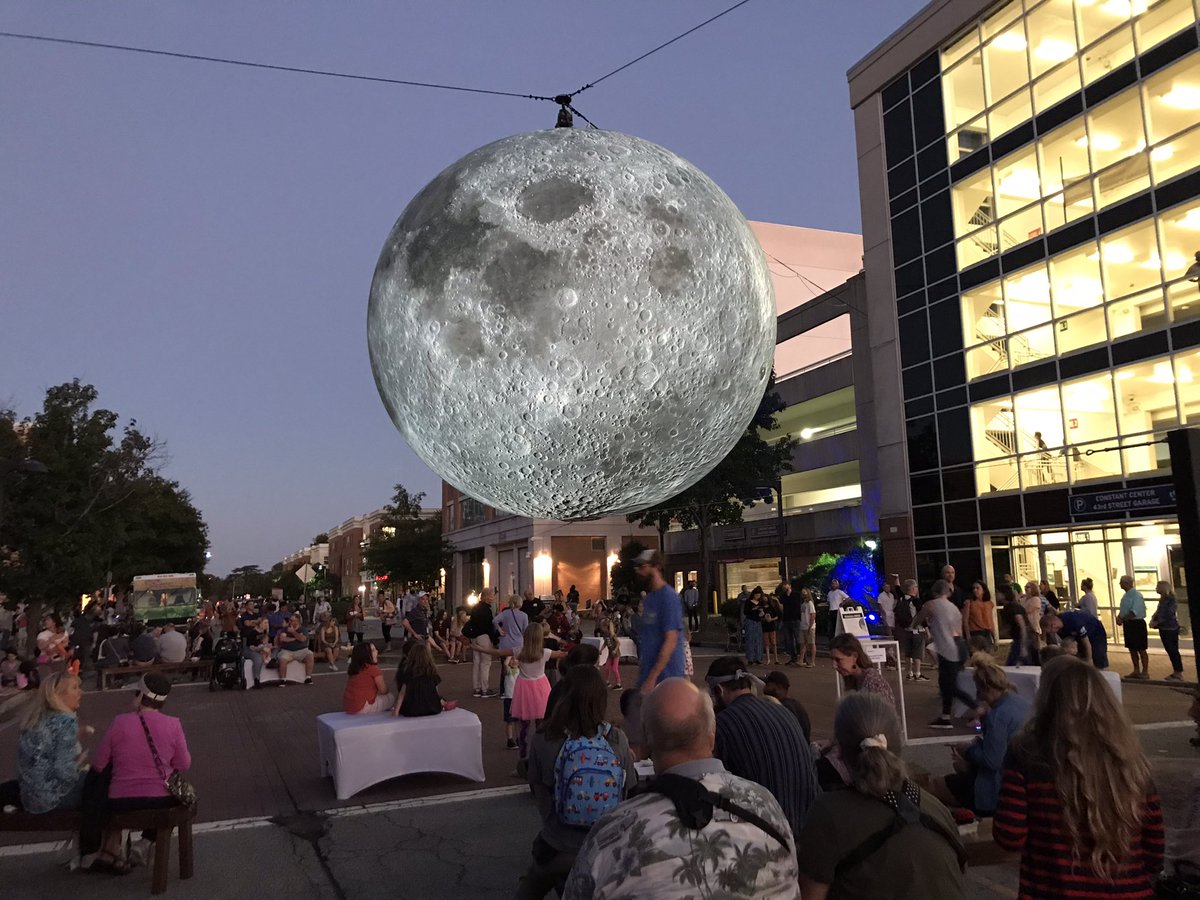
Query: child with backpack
580, 767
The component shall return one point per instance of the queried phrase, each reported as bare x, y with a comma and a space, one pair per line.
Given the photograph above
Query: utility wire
197, 57
257, 65
677, 37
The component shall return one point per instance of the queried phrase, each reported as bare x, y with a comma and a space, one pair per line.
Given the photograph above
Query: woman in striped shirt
1076, 797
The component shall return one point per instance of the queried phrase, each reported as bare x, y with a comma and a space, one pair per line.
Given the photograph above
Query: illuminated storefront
1038, 170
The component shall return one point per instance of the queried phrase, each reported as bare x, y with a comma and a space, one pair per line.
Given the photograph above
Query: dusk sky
198, 240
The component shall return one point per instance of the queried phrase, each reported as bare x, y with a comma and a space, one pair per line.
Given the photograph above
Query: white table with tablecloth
362, 750
1025, 680
628, 647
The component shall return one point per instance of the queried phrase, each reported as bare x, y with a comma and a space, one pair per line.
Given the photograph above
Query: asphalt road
271, 823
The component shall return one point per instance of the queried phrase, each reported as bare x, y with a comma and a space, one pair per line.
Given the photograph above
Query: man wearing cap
292, 643
760, 740
660, 637
138, 776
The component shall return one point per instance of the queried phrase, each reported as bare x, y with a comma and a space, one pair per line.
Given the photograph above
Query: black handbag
180, 789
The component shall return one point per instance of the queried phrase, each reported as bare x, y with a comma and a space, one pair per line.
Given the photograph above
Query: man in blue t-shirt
1091, 640
660, 642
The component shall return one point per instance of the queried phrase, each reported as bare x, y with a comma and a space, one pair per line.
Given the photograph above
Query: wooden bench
161, 821
197, 666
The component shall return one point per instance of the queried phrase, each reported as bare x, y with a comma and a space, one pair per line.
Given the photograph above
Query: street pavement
269, 823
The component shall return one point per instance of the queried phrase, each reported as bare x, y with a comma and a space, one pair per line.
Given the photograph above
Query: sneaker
490, 694
510, 744
921, 678
477, 693
1174, 676
909, 676
617, 687
333, 667
941, 722
308, 680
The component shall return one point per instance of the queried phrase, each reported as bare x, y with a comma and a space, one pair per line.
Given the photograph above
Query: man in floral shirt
642, 849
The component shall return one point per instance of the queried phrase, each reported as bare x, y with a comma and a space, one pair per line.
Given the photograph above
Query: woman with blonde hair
51, 765
1076, 777
979, 764
884, 837
532, 689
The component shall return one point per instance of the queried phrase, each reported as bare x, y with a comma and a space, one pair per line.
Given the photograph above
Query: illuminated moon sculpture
571, 323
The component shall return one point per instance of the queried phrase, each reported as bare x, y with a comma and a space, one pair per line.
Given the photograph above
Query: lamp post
13, 467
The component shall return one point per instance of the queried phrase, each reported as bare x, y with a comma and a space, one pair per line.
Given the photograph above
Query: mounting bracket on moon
571, 323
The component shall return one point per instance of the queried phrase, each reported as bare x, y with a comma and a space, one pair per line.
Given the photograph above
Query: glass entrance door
1056, 569
1146, 565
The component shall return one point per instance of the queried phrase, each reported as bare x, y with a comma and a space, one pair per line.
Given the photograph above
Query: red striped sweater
1029, 819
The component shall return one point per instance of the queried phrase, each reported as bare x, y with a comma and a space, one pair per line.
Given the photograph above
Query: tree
100, 502
735, 483
411, 550
322, 538
250, 580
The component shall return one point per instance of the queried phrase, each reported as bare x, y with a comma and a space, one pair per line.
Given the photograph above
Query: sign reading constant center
1159, 496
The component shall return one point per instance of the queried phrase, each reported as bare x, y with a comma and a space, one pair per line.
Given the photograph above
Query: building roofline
868, 76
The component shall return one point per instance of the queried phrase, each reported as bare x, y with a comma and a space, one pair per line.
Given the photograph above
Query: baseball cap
649, 555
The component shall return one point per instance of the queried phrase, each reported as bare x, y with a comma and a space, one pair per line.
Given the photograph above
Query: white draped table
362, 750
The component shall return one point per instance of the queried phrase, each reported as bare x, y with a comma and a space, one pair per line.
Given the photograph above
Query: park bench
196, 666
362, 750
161, 821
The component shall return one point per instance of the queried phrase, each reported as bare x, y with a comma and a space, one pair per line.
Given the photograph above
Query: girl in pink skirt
532, 689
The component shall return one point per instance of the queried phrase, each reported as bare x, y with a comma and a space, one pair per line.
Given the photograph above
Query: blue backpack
588, 779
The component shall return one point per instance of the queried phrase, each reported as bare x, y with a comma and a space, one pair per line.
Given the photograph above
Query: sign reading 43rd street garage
1159, 496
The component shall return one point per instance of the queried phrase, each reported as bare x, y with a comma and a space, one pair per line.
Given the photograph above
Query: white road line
18, 850
435, 800
1151, 726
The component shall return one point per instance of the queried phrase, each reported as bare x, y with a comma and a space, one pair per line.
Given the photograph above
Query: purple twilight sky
198, 240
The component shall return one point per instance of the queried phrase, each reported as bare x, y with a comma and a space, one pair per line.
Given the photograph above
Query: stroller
227, 664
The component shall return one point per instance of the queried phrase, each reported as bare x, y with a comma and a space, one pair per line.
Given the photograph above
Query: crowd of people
691, 788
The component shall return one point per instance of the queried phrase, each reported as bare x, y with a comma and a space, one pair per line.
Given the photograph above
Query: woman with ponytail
1076, 798
884, 837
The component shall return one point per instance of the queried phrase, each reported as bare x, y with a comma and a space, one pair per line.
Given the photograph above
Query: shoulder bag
177, 786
